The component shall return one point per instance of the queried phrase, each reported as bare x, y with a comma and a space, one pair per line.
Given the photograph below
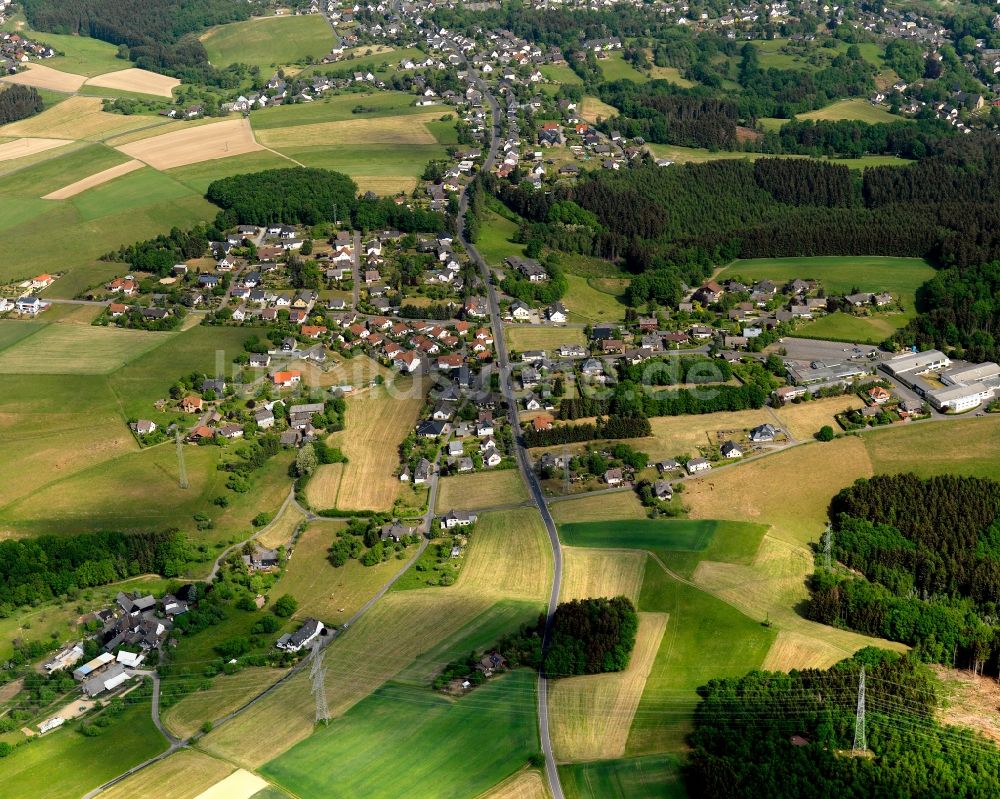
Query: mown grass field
481, 490
591, 108
382, 167
527, 784
615, 67
269, 42
848, 328
560, 73
601, 507
858, 109
588, 303
590, 716
672, 74
589, 573
405, 742
183, 775
509, 555
840, 274
227, 692
804, 419
327, 593
338, 108
651, 777
374, 425
324, 485
60, 170
496, 239
83, 763
697, 155
524, 337
965, 446
198, 176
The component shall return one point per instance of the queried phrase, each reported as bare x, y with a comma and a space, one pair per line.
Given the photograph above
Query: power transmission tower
182, 475
318, 675
828, 548
860, 740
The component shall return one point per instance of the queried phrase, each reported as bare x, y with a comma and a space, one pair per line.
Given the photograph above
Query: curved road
523, 460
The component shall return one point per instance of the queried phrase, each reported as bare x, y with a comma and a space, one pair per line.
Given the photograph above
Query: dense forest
958, 308
19, 102
591, 636
294, 196
159, 36
925, 563
786, 736
36, 569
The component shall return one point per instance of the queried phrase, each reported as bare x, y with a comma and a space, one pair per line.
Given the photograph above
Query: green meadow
650, 777
402, 741
338, 108
269, 42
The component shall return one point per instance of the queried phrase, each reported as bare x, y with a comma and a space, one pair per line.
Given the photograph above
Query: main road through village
524, 464
523, 460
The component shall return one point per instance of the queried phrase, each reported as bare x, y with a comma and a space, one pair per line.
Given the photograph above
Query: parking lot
806, 351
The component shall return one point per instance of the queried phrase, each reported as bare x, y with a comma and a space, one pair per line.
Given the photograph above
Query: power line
318, 675
860, 741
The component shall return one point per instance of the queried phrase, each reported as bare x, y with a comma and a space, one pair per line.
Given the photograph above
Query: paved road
523, 459
356, 270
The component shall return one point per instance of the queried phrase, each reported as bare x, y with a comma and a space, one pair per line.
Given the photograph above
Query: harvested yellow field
523, 785
137, 80
280, 531
323, 486
205, 143
227, 692
758, 491
589, 573
590, 716
327, 593
374, 425
396, 630
384, 186
598, 508
804, 419
408, 129
481, 490
96, 179
683, 435
792, 650
183, 775
167, 126
76, 118
238, 785
509, 552
19, 148
42, 77
591, 108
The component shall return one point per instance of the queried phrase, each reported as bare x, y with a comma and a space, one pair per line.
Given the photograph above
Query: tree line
19, 102
790, 735
36, 569
607, 427
928, 556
